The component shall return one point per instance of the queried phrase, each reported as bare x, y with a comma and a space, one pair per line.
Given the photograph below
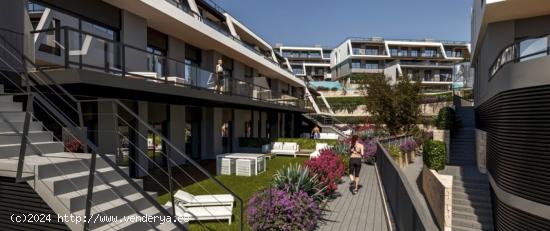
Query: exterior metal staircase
91, 185
326, 122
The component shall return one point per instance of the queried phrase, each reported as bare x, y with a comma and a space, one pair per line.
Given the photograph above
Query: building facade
510, 47
160, 58
310, 62
432, 61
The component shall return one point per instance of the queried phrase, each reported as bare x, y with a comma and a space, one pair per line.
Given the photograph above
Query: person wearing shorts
355, 162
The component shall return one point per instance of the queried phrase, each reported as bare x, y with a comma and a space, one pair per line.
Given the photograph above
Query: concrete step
480, 211
79, 180
125, 206
11, 106
472, 217
472, 197
12, 150
6, 98
34, 136
12, 116
473, 204
68, 167
18, 126
76, 200
476, 191
457, 222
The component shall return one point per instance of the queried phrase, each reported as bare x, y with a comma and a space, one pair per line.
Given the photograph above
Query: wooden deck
362, 211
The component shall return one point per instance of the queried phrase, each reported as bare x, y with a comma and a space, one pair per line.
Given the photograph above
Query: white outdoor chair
203, 213
189, 200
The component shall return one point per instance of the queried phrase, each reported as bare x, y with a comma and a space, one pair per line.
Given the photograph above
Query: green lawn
243, 186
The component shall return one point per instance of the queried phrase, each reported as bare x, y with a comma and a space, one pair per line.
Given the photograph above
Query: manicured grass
243, 186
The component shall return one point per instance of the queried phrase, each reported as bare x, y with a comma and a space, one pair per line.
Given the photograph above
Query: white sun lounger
203, 213
318, 148
189, 200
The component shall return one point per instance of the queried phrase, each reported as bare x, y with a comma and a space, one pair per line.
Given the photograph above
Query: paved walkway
362, 211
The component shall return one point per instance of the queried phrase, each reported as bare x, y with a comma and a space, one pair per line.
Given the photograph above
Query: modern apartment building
310, 62
510, 54
430, 60
190, 78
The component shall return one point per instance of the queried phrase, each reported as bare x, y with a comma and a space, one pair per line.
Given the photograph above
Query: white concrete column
141, 142
106, 126
176, 132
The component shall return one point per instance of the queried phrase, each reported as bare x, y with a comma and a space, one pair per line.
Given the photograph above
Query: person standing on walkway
219, 77
355, 161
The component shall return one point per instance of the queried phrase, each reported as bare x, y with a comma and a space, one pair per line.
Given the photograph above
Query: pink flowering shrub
276, 209
329, 167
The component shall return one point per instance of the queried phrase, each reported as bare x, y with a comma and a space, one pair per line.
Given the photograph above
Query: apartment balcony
372, 52
437, 65
83, 58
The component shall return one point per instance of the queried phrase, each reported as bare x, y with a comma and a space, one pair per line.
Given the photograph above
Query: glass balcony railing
223, 31
71, 48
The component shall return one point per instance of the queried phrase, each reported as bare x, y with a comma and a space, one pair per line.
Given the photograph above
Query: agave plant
296, 178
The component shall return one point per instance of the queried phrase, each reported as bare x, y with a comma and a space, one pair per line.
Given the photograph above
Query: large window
372, 65
533, 48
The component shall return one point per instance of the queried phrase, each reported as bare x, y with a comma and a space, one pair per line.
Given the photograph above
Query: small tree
395, 106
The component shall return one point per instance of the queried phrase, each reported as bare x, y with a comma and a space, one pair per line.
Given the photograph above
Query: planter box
438, 191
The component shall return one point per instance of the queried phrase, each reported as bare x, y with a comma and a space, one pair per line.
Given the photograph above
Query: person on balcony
355, 161
316, 133
219, 77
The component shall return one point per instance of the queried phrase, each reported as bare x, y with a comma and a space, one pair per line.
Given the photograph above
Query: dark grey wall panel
517, 123
509, 218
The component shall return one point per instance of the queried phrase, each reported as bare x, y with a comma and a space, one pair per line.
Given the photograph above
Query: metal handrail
60, 115
119, 45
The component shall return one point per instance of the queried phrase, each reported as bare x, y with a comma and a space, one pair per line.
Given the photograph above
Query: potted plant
408, 148
395, 153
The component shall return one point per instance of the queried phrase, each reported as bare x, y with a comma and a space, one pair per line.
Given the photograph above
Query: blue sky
329, 22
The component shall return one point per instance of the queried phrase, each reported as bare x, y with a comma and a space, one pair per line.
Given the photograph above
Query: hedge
434, 155
445, 118
306, 143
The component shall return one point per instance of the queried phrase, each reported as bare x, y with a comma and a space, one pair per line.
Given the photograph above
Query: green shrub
250, 142
306, 143
394, 152
445, 119
296, 178
434, 155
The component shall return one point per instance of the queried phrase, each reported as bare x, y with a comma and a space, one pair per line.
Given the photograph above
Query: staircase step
476, 191
457, 222
472, 217
12, 150
79, 180
473, 204
6, 98
69, 167
11, 106
480, 211
76, 200
12, 116
472, 197
34, 136
18, 126
120, 207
